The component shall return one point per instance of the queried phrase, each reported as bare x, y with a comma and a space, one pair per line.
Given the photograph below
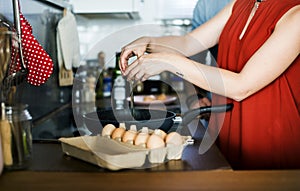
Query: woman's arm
200, 39
260, 70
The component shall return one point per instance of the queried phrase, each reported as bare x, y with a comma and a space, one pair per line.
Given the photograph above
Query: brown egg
160, 133
129, 136
155, 141
174, 138
107, 130
118, 133
142, 138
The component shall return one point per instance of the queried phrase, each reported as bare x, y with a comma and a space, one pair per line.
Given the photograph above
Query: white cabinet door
104, 6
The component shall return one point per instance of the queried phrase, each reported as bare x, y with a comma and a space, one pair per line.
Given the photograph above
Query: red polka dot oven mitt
37, 61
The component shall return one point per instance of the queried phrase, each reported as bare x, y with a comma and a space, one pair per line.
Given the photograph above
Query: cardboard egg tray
115, 155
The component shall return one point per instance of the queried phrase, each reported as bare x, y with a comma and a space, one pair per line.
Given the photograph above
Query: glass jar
19, 138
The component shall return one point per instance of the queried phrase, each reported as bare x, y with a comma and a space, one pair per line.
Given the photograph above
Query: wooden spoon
5, 132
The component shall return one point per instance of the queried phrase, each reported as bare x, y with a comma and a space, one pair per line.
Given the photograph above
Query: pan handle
192, 114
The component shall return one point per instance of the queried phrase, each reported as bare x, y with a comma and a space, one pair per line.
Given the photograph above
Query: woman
259, 63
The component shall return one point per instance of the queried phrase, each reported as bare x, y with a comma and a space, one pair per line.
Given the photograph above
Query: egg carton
116, 155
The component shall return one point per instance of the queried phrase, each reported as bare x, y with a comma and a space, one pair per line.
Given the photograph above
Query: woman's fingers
132, 70
136, 71
125, 55
144, 67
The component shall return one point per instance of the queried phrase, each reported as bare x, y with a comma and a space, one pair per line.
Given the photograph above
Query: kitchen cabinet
102, 6
35, 8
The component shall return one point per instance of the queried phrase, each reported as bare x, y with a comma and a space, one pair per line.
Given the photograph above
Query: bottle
106, 83
90, 89
99, 86
119, 86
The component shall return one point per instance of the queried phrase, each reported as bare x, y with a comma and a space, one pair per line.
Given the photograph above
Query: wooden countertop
175, 180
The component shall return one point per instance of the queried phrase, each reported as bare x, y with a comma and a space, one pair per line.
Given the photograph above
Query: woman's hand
136, 48
148, 65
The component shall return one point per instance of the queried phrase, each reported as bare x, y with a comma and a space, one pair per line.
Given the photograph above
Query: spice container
18, 140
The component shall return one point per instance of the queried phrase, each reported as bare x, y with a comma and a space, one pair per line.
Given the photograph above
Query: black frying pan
153, 119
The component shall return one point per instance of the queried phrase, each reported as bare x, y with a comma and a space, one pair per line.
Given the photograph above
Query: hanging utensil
65, 48
6, 38
4, 52
19, 76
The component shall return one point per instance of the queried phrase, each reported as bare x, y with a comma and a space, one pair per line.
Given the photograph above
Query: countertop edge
177, 180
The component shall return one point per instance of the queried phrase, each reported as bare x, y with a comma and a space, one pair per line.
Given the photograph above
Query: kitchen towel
38, 62
68, 41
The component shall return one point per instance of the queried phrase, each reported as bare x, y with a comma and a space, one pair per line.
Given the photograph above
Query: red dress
262, 131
